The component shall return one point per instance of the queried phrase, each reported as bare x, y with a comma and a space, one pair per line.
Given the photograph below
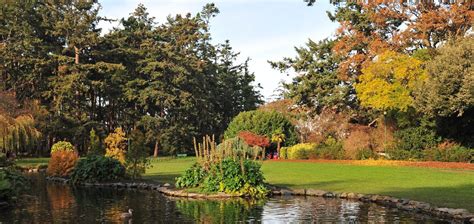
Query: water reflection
53, 203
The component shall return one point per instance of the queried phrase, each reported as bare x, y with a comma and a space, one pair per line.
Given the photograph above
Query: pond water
56, 203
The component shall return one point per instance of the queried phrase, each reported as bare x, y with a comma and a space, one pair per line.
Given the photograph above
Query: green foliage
60, 146
330, 149
192, 177
11, 184
4, 161
284, 153
317, 85
416, 138
136, 158
264, 123
95, 146
366, 154
116, 145
452, 154
95, 168
388, 82
301, 151
448, 91
242, 177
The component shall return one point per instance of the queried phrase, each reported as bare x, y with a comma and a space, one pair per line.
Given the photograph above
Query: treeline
167, 80
393, 76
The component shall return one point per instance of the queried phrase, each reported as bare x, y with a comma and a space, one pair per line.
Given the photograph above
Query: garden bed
369, 162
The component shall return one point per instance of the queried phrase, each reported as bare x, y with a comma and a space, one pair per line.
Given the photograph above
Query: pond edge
459, 214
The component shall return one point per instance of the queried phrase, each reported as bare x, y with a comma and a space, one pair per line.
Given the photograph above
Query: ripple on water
48, 202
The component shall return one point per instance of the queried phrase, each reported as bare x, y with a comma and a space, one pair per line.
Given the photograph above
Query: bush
253, 139
116, 145
301, 151
62, 163
4, 161
242, 177
452, 154
136, 159
192, 177
362, 154
400, 154
11, 184
95, 147
239, 146
284, 153
416, 138
97, 169
62, 146
262, 123
330, 149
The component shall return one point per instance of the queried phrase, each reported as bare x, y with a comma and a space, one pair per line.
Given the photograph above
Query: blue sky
260, 29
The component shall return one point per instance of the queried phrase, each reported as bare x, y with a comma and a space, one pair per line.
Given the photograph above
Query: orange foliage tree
253, 139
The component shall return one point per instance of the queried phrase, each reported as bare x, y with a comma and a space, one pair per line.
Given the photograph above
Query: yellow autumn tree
116, 144
388, 82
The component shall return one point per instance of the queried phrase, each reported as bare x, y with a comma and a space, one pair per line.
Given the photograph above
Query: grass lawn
32, 162
441, 187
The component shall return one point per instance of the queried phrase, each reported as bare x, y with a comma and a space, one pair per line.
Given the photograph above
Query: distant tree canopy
391, 59
166, 79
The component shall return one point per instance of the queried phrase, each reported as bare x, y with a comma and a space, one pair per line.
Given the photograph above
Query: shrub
4, 161
97, 169
253, 139
362, 154
301, 151
116, 145
416, 138
62, 163
95, 147
224, 169
238, 146
264, 123
62, 146
400, 154
229, 176
330, 149
192, 177
455, 153
11, 184
136, 159
284, 153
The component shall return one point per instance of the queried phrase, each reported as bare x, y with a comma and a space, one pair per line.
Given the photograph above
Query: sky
261, 30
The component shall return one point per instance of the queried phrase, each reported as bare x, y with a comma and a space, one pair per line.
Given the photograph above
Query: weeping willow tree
17, 126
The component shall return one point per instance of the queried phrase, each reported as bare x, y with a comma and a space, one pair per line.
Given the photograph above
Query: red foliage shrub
253, 139
62, 163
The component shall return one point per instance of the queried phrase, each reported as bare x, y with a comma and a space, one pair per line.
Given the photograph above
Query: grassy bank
441, 187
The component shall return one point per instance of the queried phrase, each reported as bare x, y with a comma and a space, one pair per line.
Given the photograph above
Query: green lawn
441, 187
32, 162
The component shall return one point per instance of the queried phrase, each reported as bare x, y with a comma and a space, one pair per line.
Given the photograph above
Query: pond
57, 203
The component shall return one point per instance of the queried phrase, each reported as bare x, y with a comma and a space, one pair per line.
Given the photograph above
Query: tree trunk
278, 149
155, 152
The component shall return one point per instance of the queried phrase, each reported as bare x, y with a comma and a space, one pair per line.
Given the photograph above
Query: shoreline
453, 214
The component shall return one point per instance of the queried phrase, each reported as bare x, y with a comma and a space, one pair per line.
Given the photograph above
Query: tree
449, 90
316, 85
95, 147
116, 145
17, 125
263, 123
388, 82
447, 96
137, 160
278, 136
